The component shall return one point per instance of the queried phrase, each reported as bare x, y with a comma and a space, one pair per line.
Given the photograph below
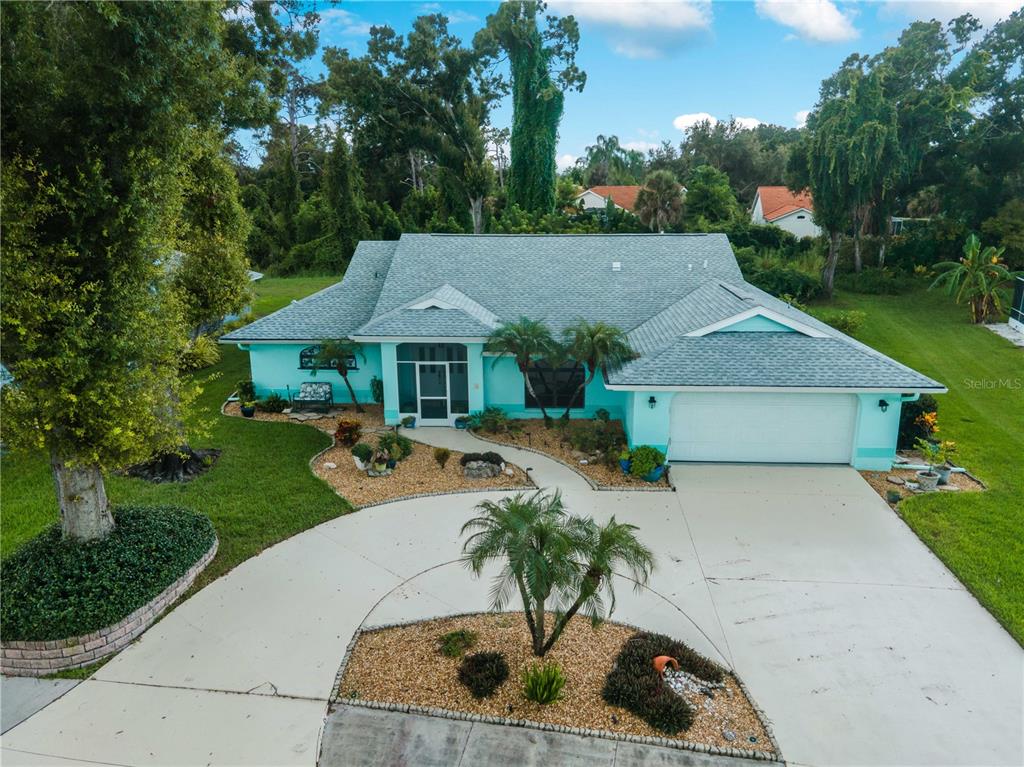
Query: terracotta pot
665, 660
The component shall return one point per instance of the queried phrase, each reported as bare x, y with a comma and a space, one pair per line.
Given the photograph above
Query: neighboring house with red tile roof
779, 206
623, 197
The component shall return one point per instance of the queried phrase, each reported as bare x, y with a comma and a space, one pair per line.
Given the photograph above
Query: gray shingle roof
454, 314
334, 312
766, 359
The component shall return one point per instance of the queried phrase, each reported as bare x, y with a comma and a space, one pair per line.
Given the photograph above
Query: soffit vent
616, 266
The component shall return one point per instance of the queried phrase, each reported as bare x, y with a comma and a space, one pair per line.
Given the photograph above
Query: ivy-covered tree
543, 67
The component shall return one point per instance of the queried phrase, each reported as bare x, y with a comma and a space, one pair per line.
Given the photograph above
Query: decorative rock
510, 472
895, 480
729, 735
330, 465
480, 470
584, 461
373, 473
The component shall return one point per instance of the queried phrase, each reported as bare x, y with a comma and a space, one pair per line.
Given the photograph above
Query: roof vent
616, 266
689, 267
705, 263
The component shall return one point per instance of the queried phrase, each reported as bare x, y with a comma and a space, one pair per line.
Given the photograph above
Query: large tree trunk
538, 640
529, 388
343, 372
84, 510
579, 389
476, 212
828, 273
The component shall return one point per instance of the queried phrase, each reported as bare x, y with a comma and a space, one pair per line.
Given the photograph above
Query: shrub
595, 436
454, 643
543, 682
362, 451
396, 445
634, 684
781, 281
488, 457
483, 673
274, 403
912, 425
645, 459
845, 322
348, 432
876, 282
441, 455
56, 589
602, 414
493, 420
377, 390
246, 390
199, 354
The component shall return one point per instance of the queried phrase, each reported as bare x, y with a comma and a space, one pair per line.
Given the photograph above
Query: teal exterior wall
646, 425
874, 436
757, 324
475, 358
504, 387
275, 367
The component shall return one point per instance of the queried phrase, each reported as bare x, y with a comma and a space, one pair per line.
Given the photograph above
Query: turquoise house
723, 372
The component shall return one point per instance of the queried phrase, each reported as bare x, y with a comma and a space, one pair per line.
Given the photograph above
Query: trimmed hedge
488, 457
56, 589
634, 684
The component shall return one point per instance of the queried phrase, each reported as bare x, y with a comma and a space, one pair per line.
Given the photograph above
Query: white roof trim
432, 303
419, 339
759, 311
783, 389
788, 214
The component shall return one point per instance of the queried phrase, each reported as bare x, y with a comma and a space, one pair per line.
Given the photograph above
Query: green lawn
274, 292
980, 536
260, 491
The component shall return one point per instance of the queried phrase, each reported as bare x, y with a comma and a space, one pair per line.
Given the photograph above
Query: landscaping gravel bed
403, 665
537, 436
882, 482
372, 419
419, 474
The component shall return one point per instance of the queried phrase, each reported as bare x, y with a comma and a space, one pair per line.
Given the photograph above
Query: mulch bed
403, 665
879, 480
416, 475
536, 435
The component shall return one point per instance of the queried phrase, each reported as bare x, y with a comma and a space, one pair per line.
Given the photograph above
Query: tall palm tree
526, 341
598, 345
978, 277
548, 554
659, 203
336, 352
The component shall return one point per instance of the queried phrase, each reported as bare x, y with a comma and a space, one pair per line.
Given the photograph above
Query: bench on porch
312, 394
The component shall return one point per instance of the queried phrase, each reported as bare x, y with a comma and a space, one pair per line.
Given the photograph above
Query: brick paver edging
406, 708
44, 658
593, 484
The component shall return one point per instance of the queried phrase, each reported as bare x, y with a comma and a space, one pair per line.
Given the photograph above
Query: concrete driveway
858, 644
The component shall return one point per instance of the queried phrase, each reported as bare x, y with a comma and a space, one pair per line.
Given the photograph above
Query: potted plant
647, 463
409, 422
947, 449
928, 479
379, 463
248, 408
624, 460
462, 422
361, 454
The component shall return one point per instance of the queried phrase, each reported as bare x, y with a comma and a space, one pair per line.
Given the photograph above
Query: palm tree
600, 346
525, 341
336, 352
659, 203
978, 278
547, 553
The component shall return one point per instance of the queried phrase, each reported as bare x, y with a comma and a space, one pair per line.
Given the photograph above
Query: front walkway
853, 638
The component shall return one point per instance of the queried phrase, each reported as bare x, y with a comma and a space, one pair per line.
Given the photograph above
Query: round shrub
454, 643
483, 673
57, 589
362, 451
395, 445
274, 403
912, 429
645, 459
488, 457
348, 432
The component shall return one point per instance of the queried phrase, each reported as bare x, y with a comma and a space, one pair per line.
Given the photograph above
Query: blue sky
654, 67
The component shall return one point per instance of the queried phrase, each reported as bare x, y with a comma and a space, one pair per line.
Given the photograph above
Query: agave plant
978, 278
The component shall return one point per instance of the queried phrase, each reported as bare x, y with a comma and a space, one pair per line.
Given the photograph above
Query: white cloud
343, 22
642, 29
640, 146
817, 20
748, 122
685, 122
801, 117
565, 161
986, 11
461, 17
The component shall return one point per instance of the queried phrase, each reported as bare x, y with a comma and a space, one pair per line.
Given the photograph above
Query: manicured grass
980, 536
259, 492
272, 293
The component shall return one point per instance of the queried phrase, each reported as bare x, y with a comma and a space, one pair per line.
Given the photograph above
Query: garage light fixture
883, 405
652, 402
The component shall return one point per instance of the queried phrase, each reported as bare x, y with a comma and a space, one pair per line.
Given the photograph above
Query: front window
308, 360
555, 386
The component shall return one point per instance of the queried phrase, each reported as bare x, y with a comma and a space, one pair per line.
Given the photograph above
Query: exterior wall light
883, 405
651, 402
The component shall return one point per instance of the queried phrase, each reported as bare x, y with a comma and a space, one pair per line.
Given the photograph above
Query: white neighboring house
778, 206
596, 197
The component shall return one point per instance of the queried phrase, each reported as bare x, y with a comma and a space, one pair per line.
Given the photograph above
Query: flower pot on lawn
943, 472
248, 411
928, 480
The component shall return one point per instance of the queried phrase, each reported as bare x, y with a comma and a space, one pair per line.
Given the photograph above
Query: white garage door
759, 427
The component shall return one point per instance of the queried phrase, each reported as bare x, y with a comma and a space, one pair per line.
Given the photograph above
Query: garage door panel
760, 427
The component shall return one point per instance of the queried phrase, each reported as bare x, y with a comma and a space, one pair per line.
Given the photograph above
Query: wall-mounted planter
44, 658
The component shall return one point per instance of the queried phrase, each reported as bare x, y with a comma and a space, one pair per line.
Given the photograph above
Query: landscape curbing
588, 480
684, 745
42, 658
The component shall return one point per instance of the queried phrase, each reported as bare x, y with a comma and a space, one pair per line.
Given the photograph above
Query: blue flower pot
410, 423
655, 475
624, 464
461, 423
